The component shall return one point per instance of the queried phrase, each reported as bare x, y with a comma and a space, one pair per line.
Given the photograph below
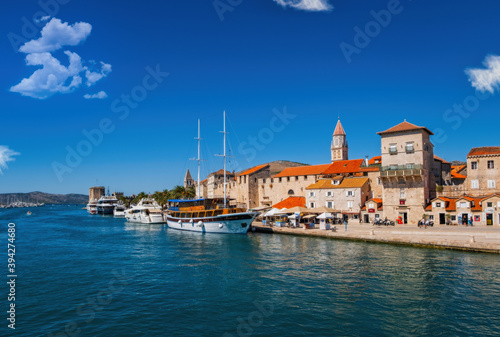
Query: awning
309, 216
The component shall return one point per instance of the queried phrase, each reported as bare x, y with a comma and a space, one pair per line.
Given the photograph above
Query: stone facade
483, 171
407, 171
345, 195
96, 192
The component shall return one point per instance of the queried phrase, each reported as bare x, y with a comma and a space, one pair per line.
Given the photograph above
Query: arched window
290, 192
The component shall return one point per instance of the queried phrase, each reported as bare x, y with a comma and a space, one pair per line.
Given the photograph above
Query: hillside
40, 197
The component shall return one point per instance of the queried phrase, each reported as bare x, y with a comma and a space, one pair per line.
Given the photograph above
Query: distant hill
47, 198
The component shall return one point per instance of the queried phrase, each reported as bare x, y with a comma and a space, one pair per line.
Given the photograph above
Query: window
329, 204
254, 180
410, 166
296, 178
264, 180
453, 218
312, 194
370, 205
409, 147
463, 205
379, 181
474, 184
329, 193
350, 193
287, 178
280, 180
291, 192
473, 165
402, 193
431, 217
349, 204
272, 180
491, 164
489, 204
393, 149
491, 183
305, 177
438, 204
312, 205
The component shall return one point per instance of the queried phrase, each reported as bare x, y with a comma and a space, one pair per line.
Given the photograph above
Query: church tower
339, 146
188, 180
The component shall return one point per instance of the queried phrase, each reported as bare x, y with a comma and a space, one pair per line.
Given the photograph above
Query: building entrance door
442, 218
489, 219
404, 217
465, 219
366, 218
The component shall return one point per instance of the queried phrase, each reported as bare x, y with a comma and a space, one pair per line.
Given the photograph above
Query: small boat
92, 206
147, 211
119, 211
28, 213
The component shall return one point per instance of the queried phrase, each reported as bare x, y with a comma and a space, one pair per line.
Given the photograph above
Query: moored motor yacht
147, 211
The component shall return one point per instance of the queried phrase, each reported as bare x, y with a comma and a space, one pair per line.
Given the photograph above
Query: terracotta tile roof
375, 160
405, 126
457, 168
221, 172
344, 166
346, 183
253, 169
302, 170
482, 151
450, 203
491, 196
339, 130
203, 181
456, 175
378, 201
475, 200
291, 202
440, 159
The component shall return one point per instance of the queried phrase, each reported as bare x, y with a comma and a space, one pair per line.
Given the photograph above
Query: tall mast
198, 160
224, 132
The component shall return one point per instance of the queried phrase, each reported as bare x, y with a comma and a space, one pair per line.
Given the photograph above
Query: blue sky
142, 73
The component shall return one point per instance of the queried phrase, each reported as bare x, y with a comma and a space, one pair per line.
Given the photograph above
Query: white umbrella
325, 216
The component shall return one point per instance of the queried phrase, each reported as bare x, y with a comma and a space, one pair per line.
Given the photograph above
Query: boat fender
200, 223
221, 225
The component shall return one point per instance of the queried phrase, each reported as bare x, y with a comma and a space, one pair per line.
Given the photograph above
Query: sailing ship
209, 215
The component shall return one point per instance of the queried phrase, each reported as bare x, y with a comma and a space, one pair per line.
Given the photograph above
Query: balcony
393, 150
401, 170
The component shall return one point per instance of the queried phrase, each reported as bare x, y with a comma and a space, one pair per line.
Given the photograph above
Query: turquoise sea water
88, 275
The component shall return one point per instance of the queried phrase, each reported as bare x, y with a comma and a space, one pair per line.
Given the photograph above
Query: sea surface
89, 275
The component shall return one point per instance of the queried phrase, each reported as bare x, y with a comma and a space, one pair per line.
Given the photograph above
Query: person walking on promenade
345, 223
470, 221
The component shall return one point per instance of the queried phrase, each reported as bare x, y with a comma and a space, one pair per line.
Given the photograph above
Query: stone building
456, 211
373, 209
339, 147
188, 180
96, 192
407, 171
483, 176
345, 195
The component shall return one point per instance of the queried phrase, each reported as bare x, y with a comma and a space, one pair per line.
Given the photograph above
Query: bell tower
339, 145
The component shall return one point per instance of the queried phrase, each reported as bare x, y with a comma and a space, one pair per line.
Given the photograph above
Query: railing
401, 170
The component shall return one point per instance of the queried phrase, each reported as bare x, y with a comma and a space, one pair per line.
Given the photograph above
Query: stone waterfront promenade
479, 239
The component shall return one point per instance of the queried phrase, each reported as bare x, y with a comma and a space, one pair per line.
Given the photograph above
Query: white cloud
486, 79
55, 35
6, 155
99, 95
52, 78
306, 5
93, 77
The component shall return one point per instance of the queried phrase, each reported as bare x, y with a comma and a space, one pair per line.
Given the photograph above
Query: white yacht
147, 211
106, 204
92, 206
119, 211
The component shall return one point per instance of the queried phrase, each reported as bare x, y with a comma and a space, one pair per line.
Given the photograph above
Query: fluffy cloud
52, 78
486, 79
99, 95
306, 5
93, 77
55, 35
6, 155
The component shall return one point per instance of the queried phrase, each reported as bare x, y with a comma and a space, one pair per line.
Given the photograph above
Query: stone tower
339, 146
188, 180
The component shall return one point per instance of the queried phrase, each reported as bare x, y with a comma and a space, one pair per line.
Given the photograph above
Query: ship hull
237, 223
